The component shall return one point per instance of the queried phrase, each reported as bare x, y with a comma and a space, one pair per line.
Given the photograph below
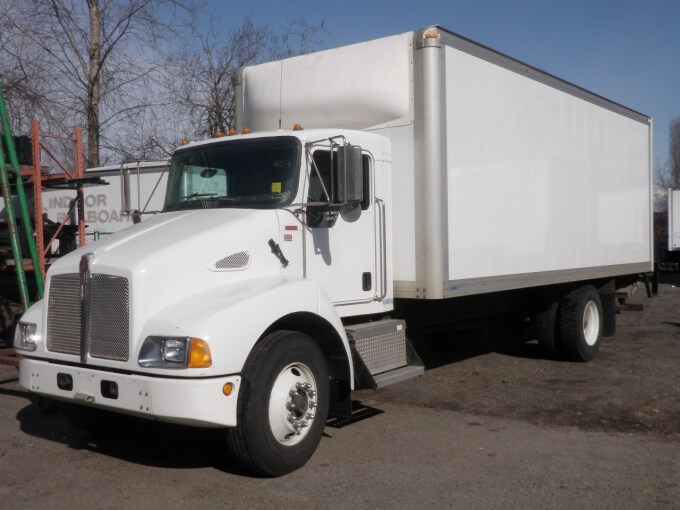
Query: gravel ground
482, 428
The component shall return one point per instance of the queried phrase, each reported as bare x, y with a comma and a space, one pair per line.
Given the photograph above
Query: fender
35, 314
233, 318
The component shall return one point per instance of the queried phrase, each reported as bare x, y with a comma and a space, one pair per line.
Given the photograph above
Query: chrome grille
109, 316
63, 317
109, 319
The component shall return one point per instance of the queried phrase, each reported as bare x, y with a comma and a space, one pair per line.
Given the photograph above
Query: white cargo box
505, 176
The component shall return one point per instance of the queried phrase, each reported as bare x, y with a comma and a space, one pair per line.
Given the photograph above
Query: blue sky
625, 50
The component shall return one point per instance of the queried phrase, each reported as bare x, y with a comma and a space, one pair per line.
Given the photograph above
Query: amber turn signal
199, 354
228, 388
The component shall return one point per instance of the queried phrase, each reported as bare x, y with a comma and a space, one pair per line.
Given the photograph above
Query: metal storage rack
13, 178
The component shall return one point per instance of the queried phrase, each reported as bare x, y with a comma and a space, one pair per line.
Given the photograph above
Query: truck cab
233, 295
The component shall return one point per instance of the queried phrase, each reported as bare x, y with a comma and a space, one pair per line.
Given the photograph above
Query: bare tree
668, 174
203, 76
208, 71
100, 63
674, 152
297, 38
25, 74
86, 62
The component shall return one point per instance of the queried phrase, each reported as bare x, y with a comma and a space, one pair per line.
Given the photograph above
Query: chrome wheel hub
292, 404
591, 323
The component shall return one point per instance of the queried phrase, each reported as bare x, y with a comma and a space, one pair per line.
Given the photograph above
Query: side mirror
349, 181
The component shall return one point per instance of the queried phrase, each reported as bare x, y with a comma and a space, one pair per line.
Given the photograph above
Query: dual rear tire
572, 327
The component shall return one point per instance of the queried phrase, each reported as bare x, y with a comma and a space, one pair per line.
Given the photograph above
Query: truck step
398, 375
382, 353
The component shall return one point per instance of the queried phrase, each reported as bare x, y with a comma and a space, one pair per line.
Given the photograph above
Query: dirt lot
632, 386
499, 428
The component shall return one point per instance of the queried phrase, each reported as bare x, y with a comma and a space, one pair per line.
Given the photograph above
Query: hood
195, 237
174, 255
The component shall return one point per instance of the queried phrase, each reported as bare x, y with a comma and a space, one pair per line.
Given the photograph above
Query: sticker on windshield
276, 187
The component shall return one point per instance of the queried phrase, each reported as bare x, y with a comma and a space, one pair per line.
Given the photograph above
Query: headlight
26, 336
175, 352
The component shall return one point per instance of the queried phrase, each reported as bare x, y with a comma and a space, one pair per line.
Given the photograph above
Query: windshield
243, 173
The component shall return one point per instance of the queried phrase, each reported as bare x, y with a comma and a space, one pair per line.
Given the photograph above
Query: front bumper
196, 402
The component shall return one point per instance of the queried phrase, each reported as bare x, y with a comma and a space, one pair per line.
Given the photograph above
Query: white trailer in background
138, 186
435, 179
674, 223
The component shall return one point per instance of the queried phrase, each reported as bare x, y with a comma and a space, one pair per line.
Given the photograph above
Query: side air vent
235, 262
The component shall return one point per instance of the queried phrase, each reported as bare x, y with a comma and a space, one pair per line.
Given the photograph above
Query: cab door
340, 247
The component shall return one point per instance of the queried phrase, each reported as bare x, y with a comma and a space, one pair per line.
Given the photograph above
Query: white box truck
419, 174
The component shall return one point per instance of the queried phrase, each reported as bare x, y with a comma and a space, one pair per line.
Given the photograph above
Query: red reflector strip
291, 227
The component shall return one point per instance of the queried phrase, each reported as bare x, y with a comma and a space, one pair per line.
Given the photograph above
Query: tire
580, 324
282, 406
546, 330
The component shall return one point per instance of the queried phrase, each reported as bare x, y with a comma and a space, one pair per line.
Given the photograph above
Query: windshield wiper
194, 195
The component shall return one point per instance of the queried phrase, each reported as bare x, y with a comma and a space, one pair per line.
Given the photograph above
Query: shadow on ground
134, 440
147, 442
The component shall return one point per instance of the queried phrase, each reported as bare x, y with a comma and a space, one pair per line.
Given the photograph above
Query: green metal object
13, 234
9, 208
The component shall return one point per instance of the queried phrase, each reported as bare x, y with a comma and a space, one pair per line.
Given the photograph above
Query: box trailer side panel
674, 220
539, 180
354, 87
505, 176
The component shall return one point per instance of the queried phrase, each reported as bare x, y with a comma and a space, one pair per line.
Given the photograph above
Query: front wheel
580, 323
283, 405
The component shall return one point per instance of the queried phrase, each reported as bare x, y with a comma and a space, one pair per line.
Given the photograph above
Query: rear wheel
283, 405
580, 323
546, 329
